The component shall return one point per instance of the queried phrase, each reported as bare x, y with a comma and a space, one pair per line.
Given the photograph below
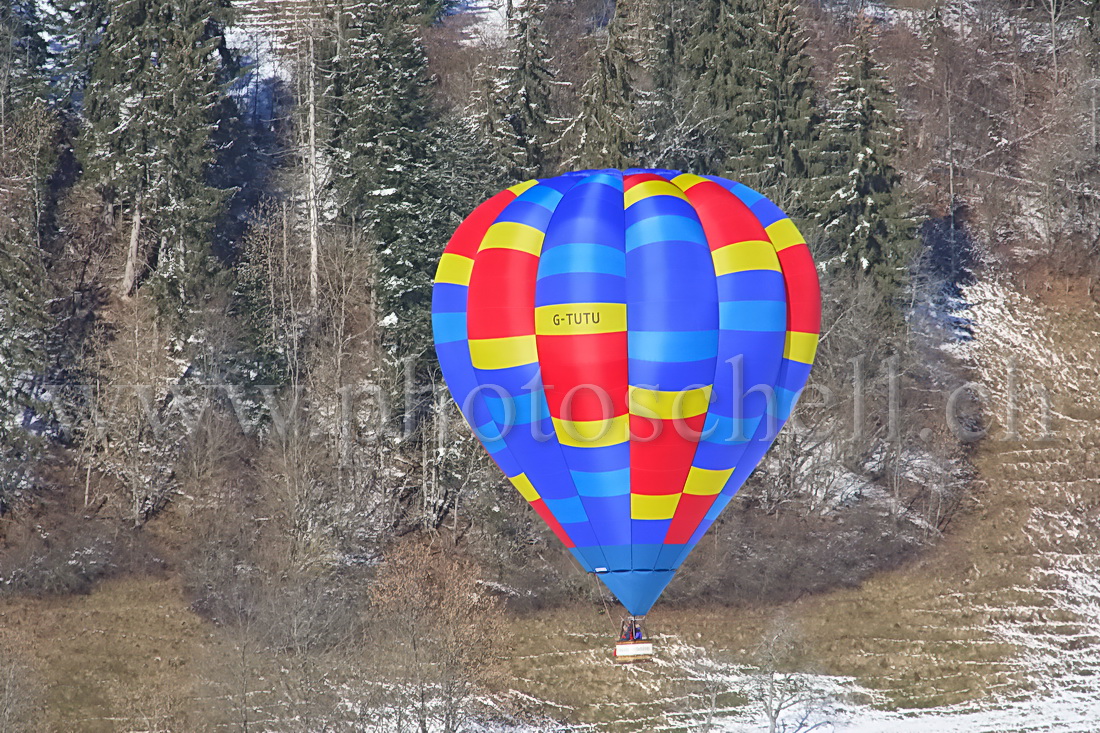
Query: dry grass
118, 658
132, 655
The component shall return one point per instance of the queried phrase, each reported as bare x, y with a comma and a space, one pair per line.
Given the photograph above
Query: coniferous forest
219, 224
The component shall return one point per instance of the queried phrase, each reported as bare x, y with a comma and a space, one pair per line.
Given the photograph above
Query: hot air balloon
626, 345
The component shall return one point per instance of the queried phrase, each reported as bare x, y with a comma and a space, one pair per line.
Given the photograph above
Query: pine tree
861, 208
27, 139
23, 56
671, 131
782, 145
519, 124
154, 98
398, 173
608, 131
721, 64
380, 110
73, 28
747, 61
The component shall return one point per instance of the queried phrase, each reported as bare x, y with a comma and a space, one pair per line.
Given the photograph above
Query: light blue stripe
671, 376
662, 172
717, 456
489, 435
753, 315
672, 346
528, 213
645, 554
568, 510
618, 557
651, 206
603, 483
716, 508
541, 195
525, 409
449, 327
582, 257
728, 430
605, 179
664, 228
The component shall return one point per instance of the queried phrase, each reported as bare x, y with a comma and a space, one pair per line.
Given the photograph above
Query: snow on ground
1066, 712
1054, 621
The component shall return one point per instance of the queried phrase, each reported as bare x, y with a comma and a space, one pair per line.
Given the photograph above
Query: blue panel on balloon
647, 554
637, 590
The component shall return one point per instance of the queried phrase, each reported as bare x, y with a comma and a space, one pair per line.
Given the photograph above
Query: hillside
993, 630
252, 254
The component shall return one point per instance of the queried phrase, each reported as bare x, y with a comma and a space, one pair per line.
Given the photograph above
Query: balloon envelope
626, 345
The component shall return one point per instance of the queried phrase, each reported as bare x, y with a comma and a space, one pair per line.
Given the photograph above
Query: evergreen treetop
860, 206
154, 98
519, 123
608, 130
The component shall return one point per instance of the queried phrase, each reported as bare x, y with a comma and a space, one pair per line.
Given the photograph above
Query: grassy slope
986, 611
122, 657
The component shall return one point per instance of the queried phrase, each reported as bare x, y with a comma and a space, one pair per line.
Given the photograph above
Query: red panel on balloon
689, 512
502, 278
803, 293
630, 182
725, 218
591, 366
659, 462
467, 238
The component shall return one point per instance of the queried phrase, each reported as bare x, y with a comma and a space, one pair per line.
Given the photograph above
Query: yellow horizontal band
800, 347
645, 506
513, 235
519, 188
754, 254
650, 188
524, 486
684, 181
660, 405
503, 353
454, 269
783, 234
705, 481
593, 433
580, 318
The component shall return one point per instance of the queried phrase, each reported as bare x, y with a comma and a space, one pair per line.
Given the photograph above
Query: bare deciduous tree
789, 702
437, 630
